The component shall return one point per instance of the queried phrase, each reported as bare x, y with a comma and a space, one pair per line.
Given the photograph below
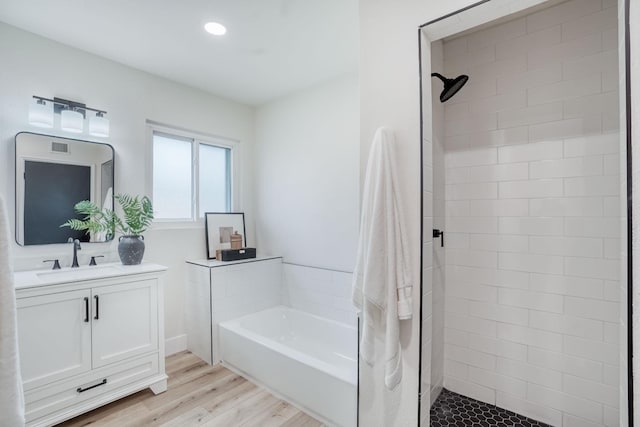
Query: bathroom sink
72, 274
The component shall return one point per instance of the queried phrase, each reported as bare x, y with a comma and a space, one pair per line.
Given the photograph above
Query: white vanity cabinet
84, 343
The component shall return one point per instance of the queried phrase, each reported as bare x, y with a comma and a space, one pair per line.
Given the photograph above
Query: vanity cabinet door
54, 335
125, 321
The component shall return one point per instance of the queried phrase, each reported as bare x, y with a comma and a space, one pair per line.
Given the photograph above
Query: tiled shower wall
532, 215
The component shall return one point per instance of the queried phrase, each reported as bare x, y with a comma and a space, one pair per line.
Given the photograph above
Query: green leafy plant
137, 217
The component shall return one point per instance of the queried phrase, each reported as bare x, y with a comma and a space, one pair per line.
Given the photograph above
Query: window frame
197, 138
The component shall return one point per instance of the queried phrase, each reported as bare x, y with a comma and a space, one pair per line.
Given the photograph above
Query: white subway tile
582, 46
530, 115
498, 243
576, 366
511, 47
566, 285
591, 105
572, 421
457, 208
612, 375
612, 248
456, 337
498, 382
530, 152
591, 390
487, 276
473, 292
570, 246
592, 267
592, 309
568, 325
575, 206
532, 300
565, 402
612, 164
569, 128
499, 313
593, 23
530, 373
532, 263
592, 186
534, 337
471, 258
564, 168
611, 417
566, 89
612, 290
532, 78
471, 324
504, 101
530, 189
488, 173
471, 191
527, 408
592, 227
559, 14
473, 123
612, 332
472, 390
475, 157
469, 357
593, 350
531, 226
507, 349
592, 145
612, 206
472, 225
610, 39
509, 136
599, 62
494, 208
457, 240
494, 34
455, 369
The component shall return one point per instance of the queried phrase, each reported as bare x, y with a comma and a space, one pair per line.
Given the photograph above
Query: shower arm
440, 76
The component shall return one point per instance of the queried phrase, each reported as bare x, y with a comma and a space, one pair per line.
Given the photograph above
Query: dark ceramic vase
131, 249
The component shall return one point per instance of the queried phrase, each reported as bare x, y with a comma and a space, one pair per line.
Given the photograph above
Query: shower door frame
629, 193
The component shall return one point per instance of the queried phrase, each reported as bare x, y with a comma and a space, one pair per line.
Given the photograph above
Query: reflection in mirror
52, 175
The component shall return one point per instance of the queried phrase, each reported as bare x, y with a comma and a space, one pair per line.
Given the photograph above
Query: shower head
451, 86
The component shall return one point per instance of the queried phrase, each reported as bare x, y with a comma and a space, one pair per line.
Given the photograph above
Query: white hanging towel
12, 401
381, 280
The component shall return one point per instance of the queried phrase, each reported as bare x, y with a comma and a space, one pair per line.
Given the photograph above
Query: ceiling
272, 47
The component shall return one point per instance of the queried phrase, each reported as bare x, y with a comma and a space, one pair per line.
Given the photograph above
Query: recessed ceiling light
215, 28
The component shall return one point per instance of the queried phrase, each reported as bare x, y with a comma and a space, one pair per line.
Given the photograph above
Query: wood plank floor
198, 395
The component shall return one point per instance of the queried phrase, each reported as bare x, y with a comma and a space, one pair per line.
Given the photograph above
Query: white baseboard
175, 344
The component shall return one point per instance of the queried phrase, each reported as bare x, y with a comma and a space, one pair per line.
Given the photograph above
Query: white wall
533, 187
306, 176
33, 65
307, 199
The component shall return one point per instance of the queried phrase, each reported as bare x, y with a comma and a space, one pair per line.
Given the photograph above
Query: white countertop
213, 263
34, 278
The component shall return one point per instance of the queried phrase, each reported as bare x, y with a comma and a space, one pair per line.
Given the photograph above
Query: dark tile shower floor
454, 410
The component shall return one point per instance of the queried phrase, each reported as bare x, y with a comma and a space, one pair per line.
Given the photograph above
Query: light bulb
99, 125
41, 114
71, 121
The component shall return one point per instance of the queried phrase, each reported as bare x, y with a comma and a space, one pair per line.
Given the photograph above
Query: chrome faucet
76, 248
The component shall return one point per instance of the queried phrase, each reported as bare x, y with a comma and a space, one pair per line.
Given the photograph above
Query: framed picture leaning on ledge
219, 226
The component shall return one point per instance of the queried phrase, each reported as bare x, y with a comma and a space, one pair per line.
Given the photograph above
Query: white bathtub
308, 360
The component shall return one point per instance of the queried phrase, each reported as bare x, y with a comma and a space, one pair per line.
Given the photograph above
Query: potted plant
137, 216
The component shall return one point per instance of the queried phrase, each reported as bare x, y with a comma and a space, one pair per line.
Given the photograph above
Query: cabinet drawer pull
86, 309
82, 390
97, 298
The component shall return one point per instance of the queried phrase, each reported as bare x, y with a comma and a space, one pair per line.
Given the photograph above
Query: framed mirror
52, 175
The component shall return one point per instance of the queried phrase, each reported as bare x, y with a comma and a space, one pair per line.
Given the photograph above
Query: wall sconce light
72, 115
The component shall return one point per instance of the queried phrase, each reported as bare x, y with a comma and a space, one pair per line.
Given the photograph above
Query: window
191, 175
